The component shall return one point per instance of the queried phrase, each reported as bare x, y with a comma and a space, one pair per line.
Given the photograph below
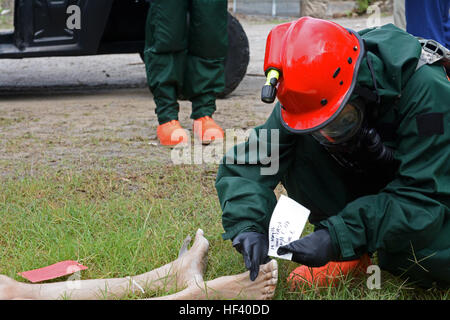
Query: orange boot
207, 130
328, 275
171, 133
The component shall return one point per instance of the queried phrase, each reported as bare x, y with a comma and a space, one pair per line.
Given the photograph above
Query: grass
126, 223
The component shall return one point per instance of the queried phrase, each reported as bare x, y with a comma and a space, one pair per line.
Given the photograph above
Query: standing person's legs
165, 54
205, 69
208, 42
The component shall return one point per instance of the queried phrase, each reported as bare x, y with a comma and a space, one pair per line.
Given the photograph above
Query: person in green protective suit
185, 49
393, 201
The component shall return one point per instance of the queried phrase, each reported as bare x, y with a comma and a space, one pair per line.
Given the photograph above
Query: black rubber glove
314, 250
254, 247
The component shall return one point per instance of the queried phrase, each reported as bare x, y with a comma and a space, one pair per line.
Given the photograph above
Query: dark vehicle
45, 28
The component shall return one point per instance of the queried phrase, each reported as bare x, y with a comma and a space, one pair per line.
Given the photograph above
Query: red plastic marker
54, 271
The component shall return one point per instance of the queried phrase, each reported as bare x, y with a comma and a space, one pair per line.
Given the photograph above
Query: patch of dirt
94, 129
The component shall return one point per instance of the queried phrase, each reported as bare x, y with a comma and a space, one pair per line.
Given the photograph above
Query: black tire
238, 56
237, 59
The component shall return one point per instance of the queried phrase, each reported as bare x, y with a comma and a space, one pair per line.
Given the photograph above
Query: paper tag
286, 225
54, 271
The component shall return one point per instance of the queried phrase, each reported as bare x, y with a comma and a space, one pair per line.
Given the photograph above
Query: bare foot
190, 266
233, 287
263, 288
241, 287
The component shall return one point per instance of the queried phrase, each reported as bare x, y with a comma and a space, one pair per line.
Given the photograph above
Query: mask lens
342, 128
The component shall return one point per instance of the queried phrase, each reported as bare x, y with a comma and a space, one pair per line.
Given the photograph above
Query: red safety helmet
318, 61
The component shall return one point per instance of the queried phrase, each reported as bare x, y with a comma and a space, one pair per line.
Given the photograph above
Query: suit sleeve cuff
339, 234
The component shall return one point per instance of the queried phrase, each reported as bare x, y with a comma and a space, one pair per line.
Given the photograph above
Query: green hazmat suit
405, 218
185, 49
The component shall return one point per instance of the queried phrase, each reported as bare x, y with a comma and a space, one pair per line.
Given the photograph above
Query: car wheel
238, 56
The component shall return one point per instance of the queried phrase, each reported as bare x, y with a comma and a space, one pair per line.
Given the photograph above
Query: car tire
238, 56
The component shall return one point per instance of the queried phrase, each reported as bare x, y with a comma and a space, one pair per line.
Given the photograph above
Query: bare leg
188, 269
233, 287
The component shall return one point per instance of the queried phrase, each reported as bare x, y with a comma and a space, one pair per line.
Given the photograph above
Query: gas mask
352, 142
343, 128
